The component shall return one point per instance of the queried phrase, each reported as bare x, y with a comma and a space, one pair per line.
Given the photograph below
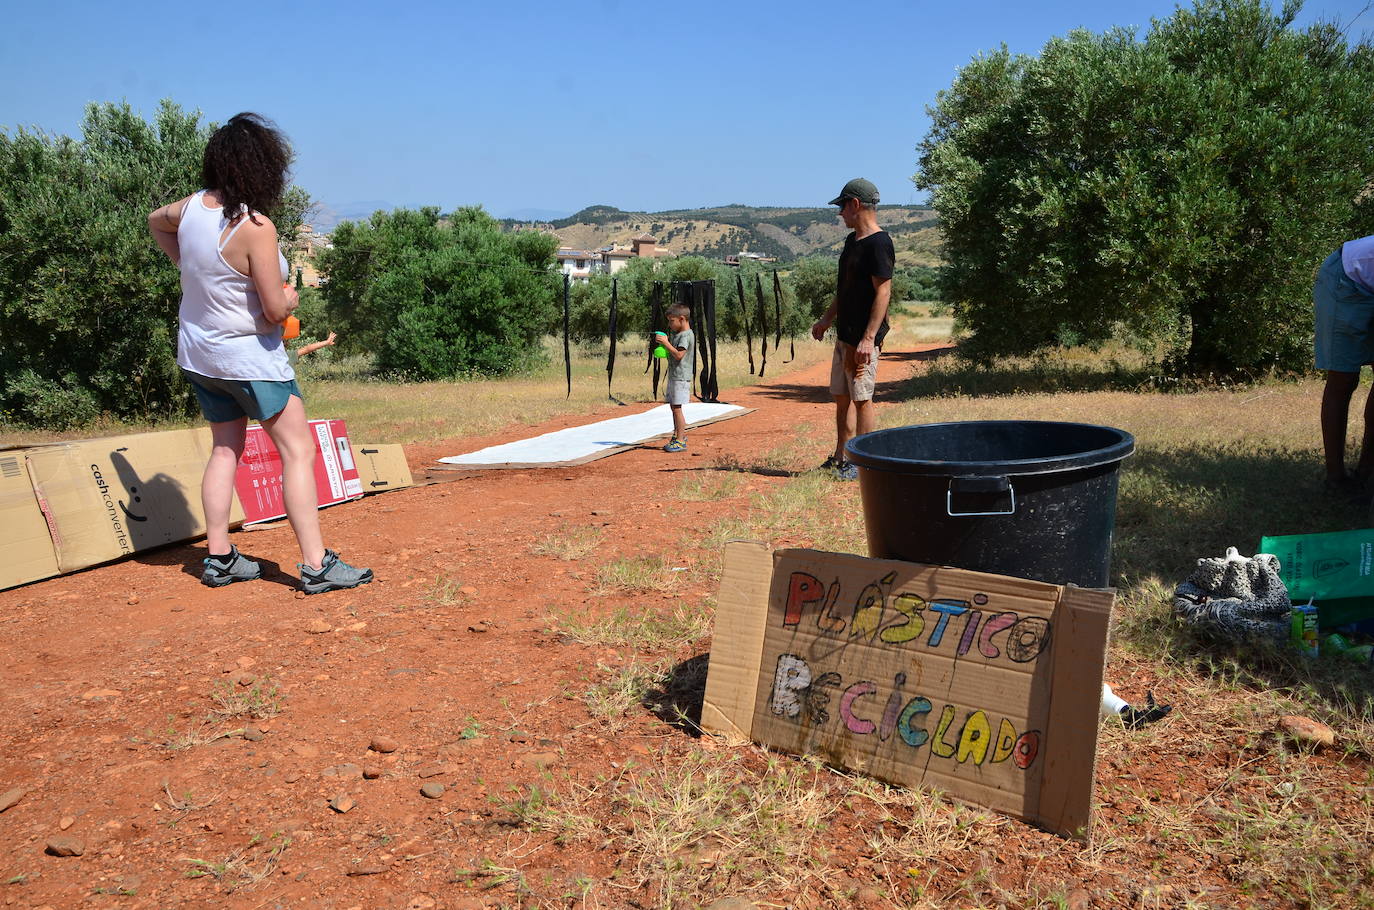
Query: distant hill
324, 217
785, 233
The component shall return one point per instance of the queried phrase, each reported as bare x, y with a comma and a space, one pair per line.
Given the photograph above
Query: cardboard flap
26, 549
382, 467
737, 639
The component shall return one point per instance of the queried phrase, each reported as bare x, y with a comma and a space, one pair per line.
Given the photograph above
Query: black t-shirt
860, 262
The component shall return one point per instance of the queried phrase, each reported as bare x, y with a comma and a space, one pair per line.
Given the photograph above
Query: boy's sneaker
847, 470
334, 575
219, 573
675, 445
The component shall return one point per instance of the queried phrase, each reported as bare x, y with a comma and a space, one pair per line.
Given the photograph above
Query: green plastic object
659, 350
1336, 570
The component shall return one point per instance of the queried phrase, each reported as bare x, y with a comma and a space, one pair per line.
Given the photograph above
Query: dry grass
637, 575
569, 542
637, 630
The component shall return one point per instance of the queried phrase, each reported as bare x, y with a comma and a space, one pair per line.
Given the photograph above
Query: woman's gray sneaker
239, 568
334, 575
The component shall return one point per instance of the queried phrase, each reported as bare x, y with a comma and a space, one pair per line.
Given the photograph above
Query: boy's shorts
223, 400
847, 378
679, 393
1344, 312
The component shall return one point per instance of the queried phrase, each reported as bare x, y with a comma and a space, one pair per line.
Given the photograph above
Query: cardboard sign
985, 686
382, 468
107, 498
26, 552
259, 483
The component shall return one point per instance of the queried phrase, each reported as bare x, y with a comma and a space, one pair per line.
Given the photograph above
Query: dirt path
111, 673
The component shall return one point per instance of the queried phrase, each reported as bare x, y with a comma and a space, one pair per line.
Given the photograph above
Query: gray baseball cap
860, 189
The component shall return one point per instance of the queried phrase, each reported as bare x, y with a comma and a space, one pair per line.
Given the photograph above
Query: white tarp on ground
576, 445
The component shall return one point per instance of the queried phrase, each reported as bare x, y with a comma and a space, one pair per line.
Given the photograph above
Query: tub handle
978, 485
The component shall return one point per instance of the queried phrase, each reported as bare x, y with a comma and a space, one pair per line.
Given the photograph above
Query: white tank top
223, 332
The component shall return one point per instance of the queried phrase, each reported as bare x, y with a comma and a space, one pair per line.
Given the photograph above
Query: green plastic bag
1336, 570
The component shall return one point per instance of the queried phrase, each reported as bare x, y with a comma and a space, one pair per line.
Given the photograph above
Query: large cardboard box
259, 483
107, 498
985, 686
26, 551
382, 467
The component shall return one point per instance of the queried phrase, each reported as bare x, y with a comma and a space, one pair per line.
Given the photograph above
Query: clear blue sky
528, 104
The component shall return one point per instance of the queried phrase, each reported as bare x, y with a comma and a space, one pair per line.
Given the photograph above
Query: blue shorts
1344, 319
223, 400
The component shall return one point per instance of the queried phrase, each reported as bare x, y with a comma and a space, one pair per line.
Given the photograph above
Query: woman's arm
264, 267
163, 223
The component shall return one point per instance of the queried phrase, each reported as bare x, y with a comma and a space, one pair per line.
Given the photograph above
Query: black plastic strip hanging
791, 336
684, 292
612, 330
763, 324
708, 297
777, 313
567, 349
744, 317
655, 320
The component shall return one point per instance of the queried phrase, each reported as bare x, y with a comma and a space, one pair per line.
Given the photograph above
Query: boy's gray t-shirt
681, 370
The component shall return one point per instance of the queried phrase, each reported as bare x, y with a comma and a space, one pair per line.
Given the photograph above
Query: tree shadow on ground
956, 376
1194, 501
677, 698
883, 390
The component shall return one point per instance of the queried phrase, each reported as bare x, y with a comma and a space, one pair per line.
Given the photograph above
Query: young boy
679, 388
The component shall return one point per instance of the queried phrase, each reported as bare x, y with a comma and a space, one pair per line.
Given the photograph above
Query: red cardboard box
258, 481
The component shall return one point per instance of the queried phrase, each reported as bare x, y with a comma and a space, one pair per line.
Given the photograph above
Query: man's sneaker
334, 575
830, 463
675, 445
847, 470
218, 573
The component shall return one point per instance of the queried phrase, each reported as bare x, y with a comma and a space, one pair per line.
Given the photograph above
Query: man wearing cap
859, 315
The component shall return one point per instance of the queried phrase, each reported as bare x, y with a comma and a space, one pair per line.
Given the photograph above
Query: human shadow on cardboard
155, 510
1177, 506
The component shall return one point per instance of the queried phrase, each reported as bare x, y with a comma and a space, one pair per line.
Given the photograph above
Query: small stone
1078, 899
371, 772
868, 896
64, 845
479, 626
252, 734
10, 798
518, 736
306, 750
66, 822
468, 591
245, 662
367, 870
540, 760
348, 769
300, 595
384, 744
436, 770
342, 802
432, 790
731, 903
133, 600
287, 825
421, 902
291, 776
318, 626
178, 608
1307, 730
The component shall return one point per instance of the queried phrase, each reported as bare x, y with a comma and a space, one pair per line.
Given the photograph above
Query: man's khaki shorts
850, 379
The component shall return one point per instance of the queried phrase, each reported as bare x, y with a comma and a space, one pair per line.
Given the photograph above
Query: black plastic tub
1029, 498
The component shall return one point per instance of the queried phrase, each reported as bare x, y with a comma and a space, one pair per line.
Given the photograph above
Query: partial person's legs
679, 423
1340, 387
844, 424
290, 433
865, 417
1365, 467
217, 485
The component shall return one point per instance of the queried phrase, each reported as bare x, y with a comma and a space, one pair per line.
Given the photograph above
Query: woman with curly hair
229, 346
